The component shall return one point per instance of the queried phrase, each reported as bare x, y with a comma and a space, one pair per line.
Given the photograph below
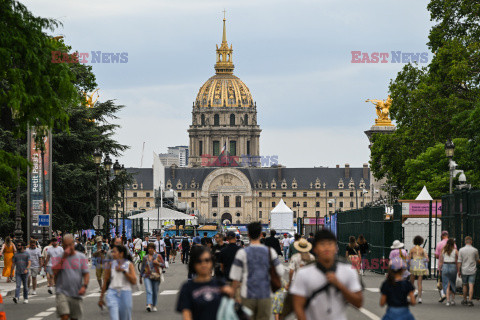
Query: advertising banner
311, 221
421, 208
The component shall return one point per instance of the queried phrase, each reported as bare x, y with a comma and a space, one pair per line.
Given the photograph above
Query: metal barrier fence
461, 218
378, 230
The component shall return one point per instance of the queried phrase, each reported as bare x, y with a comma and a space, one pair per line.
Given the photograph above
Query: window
238, 201
216, 148
304, 213
351, 194
351, 204
284, 194
305, 204
260, 214
179, 194
317, 213
134, 194
304, 194
248, 147
192, 205
233, 148
294, 194
193, 194
260, 204
295, 214
238, 221
341, 204
200, 147
259, 194
135, 204
214, 214
147, 204
214, 201
361, 204
317, 204
341, 194
330, 205
216, 120
232, 119
294, 204
226, 201
273, 204
135, 186
273, 194
148, 194
202, 119
238, 214
317, 194
330, 194
246, 120
330, 211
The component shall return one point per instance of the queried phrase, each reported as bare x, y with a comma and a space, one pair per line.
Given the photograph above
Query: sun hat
397, 245
302, 245
98, 239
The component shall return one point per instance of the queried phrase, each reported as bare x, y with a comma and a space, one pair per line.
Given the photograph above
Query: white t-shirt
145, 244
160, 246
309, 279
296, 263
286, 242
138, 244
54, 254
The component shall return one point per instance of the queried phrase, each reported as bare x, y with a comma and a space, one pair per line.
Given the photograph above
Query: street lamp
449, 148
97, 158
124, 174
449, 152
298, 209
117, 170
107, 163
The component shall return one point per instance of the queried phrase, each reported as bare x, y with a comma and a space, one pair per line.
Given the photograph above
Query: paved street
42, 306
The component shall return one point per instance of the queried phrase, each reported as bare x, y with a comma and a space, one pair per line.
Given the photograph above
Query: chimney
365, 171
347, 170
172, 172
337, 166
279, 174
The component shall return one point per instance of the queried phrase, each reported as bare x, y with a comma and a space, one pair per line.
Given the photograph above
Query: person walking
394, 292
185, 249
438, 253
291, 248
21, 261
160, 247
285, 245
99, 252
251, 270
448, 265
200, 298
121, 276
150, 273
352, 253
168, 247
364, 250
467, 269
8, 251
398, 251
418, 265
216, 250
173, 253
54, 254
300, 259
321, 290
72, 277
206, 241
273, 243
36, 263
227, 255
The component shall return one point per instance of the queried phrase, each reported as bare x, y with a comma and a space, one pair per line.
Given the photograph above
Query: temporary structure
164, 214
424, 195
281, 218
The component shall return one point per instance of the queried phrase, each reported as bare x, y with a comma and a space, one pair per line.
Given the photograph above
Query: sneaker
154, 309
419, 300
452, 302
416, 293
15, 299
50, 290
464, 302
447, 304
470, 303
149, 309
442, 298
34, 293
25, 301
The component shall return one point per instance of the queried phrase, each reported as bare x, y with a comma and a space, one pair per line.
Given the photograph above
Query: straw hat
397, 245
302, 245
98, 239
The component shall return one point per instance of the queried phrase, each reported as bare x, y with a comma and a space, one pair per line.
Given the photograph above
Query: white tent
165, 214
281, 218
424, 195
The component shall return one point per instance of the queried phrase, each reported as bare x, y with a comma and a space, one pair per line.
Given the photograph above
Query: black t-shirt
168, 243
227, 255
364, 247
216, 249
397, 294
185, 244
352, 251
202, 299
206, 240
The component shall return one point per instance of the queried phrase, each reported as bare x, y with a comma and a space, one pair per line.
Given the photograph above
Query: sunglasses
205, 260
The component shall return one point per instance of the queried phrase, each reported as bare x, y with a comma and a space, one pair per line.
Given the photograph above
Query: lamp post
117, 170
124, 174
97, 157
107, 163
449, 152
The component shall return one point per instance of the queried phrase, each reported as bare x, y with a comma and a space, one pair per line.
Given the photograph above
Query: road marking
34, 318
95, 294
137, 293
52, 309
43, 314
169, 292
373, 289
369, 314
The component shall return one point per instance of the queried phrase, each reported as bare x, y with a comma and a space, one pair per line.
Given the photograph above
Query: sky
295, 57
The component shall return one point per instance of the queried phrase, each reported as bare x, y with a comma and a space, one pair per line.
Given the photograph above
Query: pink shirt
440, 245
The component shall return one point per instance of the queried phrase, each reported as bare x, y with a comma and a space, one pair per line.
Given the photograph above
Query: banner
321, 221
421, 208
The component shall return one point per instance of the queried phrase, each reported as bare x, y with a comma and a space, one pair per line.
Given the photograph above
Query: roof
424, 195
165, 214
141, 176
329, 178
281, 208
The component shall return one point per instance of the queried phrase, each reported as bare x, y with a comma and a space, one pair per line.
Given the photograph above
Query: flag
223, 148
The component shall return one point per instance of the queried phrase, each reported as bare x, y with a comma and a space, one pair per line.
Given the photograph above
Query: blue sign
43, 220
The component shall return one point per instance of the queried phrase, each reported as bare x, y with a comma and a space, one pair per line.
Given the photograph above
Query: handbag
155, 274
275, 281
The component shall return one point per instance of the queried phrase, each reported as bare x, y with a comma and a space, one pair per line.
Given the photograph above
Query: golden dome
224, 89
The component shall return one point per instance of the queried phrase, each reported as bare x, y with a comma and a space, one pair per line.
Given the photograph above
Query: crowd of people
225, 276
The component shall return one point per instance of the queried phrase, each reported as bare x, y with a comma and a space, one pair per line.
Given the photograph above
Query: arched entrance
226, 217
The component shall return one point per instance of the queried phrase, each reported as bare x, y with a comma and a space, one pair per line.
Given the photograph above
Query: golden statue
89, 98
383, 111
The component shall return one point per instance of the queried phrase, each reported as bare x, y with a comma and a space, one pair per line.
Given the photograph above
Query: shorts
34, 272
99, 273
69, 306
49, 271
468, 279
